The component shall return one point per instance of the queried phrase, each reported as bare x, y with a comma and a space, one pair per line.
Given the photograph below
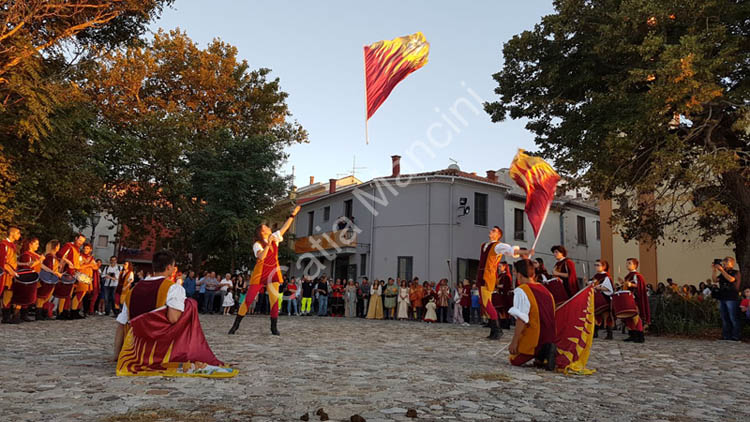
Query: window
467, 269
404, 270
348, 209
326, 213
310, 222
363, 264
103, 241
518, 231
480, 209
598, 231
581, 230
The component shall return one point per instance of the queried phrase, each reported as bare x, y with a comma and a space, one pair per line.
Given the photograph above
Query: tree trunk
741, 233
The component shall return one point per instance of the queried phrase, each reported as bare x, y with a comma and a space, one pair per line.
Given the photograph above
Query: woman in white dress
430, 315
403, 301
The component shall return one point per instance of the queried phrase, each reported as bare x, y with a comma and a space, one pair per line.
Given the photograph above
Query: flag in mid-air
574, 321
388, 62
539, 180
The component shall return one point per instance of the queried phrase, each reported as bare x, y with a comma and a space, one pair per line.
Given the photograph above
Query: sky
431, 118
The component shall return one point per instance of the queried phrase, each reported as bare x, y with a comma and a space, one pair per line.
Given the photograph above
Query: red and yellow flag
539, 180
388, 62
574, 321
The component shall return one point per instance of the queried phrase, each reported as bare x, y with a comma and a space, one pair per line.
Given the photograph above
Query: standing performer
565, 268
266, 272
45, 289
487, 273
604, 289
505, 291
534, 310
70, 259
90, 268
30, 260
8, 264
637, 285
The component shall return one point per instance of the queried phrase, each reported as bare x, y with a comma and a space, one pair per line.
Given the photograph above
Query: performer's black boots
505, 323
41, 315
596, 331
25, 316
631, 336
495, 331
548, 353
274, 329
63, 316
639, 338
236, 325
16, 319
609, 334
6, 315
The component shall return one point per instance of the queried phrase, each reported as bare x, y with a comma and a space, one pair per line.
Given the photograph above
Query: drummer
83, 285
70, 261
635, 282
603, 285
8, 263
50, 265
29, 260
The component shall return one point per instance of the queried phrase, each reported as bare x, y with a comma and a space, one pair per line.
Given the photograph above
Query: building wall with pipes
428, 223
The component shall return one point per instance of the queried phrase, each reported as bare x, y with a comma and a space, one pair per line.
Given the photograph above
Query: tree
646, 102
48, 174
169, 112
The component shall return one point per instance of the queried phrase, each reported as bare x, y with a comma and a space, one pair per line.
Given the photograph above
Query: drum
556, 287
24, 287
47, 285
601, 304
623, 304
48, 277
64, 287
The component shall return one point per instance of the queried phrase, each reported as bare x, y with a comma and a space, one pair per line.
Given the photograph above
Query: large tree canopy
647, 102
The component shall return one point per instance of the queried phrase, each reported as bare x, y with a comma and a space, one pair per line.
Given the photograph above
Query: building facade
426, 225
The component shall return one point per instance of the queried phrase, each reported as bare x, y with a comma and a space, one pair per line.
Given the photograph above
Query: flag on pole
388, 62
574, 321
539, 180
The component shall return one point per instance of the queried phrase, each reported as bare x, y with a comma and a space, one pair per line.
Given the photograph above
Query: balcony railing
339, 239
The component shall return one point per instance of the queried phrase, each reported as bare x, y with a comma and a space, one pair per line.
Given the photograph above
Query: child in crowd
228, 301
430, 315
475, 316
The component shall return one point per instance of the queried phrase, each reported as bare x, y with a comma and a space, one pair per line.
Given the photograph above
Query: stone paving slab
62, 371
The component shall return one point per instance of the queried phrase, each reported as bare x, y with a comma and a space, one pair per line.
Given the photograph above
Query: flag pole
364, 63
541, 225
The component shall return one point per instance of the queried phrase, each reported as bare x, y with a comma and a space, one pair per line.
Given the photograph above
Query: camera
717, 261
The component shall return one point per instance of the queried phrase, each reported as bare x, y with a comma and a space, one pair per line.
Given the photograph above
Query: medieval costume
70, 259
350, 300
430, 315
504, 292
416, 293
403, 303
8, 266
637, 285
30, 261
391, 294
47, 283
603, 303
376, 305
534, 309
489, 259
570, 281
155, 346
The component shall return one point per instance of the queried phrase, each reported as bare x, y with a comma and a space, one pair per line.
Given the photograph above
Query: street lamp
95, 219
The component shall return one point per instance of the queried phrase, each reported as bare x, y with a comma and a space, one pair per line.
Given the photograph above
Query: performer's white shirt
258, 248
378, 290
521, 305
175, 300
504, 249
606, 285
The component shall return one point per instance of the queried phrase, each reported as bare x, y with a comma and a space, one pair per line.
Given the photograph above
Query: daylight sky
315, 48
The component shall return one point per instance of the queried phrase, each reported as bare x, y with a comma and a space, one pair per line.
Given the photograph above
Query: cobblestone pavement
61, 371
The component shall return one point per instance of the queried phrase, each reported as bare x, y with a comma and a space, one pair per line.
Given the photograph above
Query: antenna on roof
454, 164
354, 169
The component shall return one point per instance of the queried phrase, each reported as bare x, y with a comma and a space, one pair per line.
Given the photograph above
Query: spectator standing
475, 315
728, 280
189, 284
466, 302
458, 317
224, 286
375, 310
745, 304
227, 302
291, 292
350, 299
416, 294
307, 295
443, 300
110, 276
337, 294
391, 294
200, 285
212, 289
321, 289
403, 301
364, 297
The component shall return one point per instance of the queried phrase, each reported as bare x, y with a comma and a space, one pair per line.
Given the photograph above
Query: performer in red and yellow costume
88, 267
534, 310
505, 291
487, 274
70, 260
635, 282
267, 272
158, 331
29, 260
603, 286
565, 269
9, 264
50, 264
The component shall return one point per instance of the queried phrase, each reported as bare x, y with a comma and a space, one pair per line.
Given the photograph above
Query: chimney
473, 173
395, 165
331, 185
312, 179
491, 175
